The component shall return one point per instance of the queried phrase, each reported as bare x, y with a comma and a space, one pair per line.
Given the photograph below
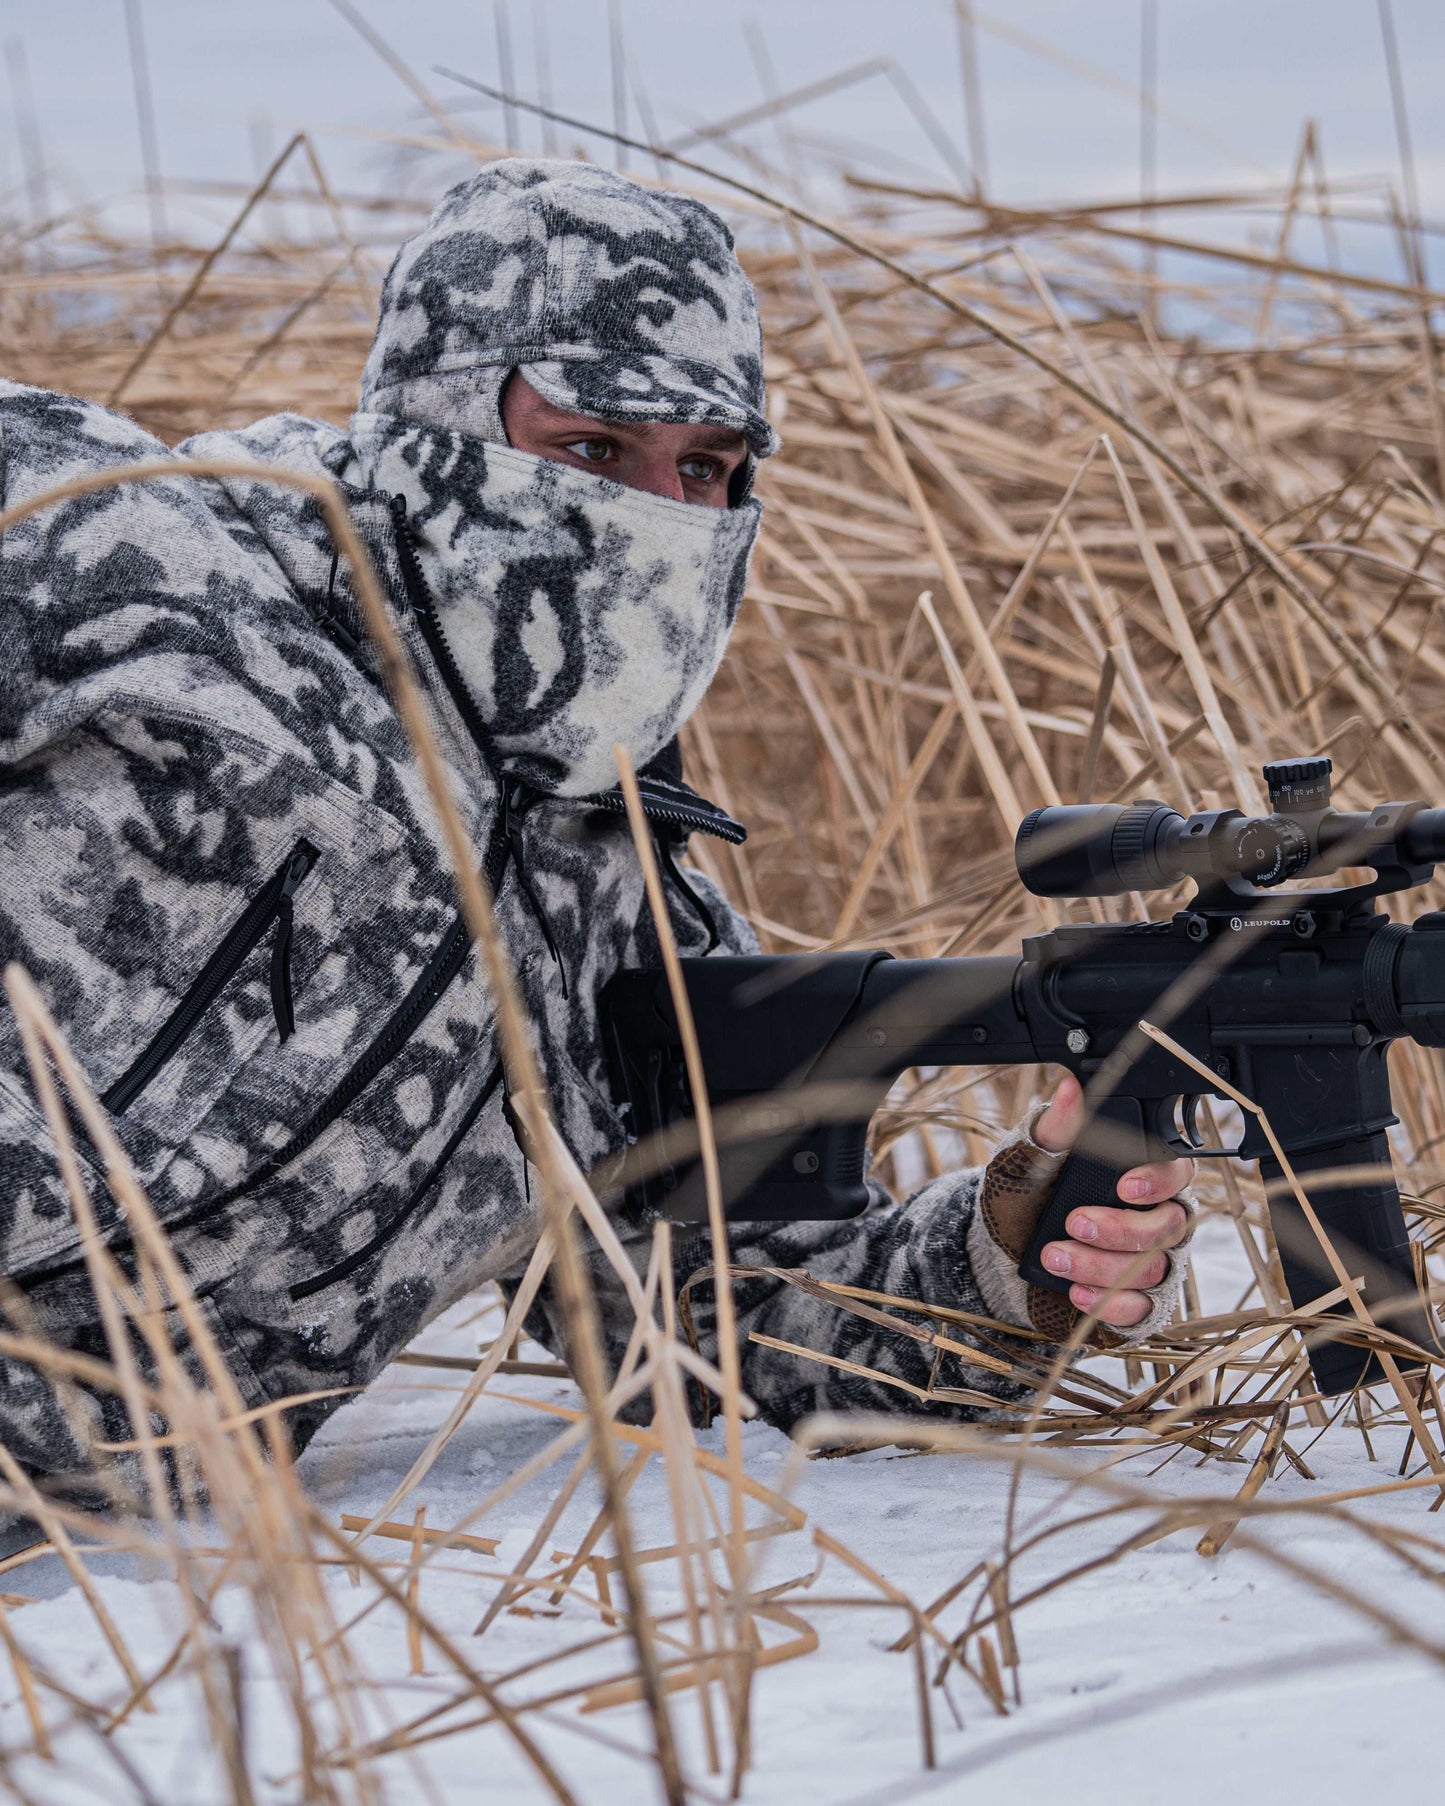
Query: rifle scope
1110, 849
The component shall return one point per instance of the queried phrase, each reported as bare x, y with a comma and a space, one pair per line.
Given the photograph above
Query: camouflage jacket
219, 863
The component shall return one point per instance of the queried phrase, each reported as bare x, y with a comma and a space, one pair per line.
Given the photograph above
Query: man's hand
1108, 1247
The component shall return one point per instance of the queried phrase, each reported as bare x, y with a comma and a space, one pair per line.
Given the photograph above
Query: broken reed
965, 602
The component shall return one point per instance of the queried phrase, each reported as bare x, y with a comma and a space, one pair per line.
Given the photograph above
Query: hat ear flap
740, 483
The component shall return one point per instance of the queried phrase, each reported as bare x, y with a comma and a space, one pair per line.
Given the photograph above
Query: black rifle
1291, 996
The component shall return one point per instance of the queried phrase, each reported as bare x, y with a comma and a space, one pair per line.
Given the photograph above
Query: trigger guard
1190, 1145
1187, 1146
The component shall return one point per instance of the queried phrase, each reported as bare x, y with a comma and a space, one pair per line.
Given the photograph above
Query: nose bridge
656, 472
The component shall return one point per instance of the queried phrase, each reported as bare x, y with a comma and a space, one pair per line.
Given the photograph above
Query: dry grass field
1055, 521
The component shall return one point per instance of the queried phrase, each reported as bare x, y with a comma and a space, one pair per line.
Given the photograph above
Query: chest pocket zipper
269, 911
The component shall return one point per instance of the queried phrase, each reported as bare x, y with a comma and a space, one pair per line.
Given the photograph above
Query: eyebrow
719, 438
705, 436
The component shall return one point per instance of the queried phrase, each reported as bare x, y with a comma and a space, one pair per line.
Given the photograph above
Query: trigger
1189, 1118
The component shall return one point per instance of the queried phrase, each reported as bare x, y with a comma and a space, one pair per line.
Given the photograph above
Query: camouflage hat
616, 301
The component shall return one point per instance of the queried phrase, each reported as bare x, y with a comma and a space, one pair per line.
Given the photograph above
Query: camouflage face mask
581, 613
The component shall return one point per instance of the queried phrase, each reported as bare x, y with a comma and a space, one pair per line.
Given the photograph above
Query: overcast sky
1237, 79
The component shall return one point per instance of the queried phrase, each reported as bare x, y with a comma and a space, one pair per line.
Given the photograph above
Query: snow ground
1163, 1677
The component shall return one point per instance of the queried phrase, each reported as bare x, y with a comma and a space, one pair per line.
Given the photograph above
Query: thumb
1058, 1128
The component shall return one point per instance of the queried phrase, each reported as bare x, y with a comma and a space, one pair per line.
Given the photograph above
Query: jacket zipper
515, 797
270, 908
423, 607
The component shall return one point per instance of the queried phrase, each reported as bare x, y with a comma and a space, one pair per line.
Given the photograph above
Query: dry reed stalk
727, 1337
413, 1593
25, 1679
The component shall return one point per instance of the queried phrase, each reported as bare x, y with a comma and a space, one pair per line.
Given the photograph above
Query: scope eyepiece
1097, 849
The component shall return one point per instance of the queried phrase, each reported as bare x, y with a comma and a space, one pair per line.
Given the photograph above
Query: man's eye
701, 470
591, 451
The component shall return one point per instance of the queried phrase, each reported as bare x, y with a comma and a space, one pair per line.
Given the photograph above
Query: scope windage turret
1110, 849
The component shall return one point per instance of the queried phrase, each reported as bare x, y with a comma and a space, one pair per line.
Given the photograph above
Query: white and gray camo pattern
615, 301
175, 718
581, 613
189, 699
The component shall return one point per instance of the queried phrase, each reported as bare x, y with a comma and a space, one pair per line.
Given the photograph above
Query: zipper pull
413, 578
297, 866
519, 1135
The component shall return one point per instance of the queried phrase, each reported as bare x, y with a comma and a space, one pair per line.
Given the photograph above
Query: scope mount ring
1224, 895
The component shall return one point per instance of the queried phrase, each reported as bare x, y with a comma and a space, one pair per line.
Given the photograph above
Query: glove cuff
1017, 1159
1021, 1172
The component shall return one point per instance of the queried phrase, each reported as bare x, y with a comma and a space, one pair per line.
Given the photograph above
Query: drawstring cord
665, 853
330, 620
512, 796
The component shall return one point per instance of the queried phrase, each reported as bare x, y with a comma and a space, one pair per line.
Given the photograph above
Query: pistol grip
1090, 1178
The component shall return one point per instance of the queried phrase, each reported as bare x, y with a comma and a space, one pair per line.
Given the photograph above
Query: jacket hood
581, 614
614, 300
